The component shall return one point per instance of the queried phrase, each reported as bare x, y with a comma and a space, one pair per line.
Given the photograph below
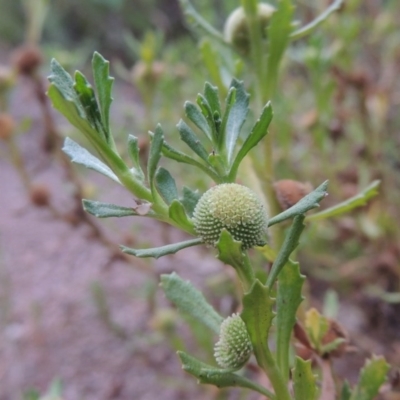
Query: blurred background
78, 319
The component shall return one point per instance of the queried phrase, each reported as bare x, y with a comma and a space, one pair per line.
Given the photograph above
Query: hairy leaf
79, 155
158, 252
190, 301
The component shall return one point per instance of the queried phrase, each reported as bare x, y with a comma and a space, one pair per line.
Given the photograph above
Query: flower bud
39, 195
234, 347
289, 192
232, 207
236, 30
27, 59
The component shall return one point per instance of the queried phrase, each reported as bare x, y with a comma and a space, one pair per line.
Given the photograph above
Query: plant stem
268, 364
246, 273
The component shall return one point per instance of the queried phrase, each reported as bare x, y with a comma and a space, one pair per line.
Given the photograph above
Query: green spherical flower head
235, 208
234, 347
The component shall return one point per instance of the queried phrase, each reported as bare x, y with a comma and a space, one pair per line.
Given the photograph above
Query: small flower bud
232, 207
27, 59
236, 30
234, 347
39, 195
289, 192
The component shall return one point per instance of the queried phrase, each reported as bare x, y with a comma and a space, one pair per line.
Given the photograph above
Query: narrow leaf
236, 118
104, 83
158, 252
258, 315
279, 30
65, 99
345, 394
309, 28
81, 156
197, 117
154, 156
174, 154
63, 81
301, 207
212, 96
88, 100
197, 21
221, 378
288, 299
190, 301
177, 213
190, 138
259, 131
304, 381
133, 150
358, 200
189, 199
106, 210
290, 243
211, 61
166, 185
372, 377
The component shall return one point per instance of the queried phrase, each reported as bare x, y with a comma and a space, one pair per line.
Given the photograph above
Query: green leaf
290, 243
63, 82
154, 157
174, 154
345, 393
317, 326
221, 378
197, 117
358, 200
230, 252
190, 138
259, 131
211, 61
302, 206
81, 156
106, 210
89, 103
279, 31
65, 99
212, 96
190, 301
258, 315
197, 21
235, 118
133, 151
288, 299
304, 381
372, 377
166, 185
189, 200
104, 83
177, 213
309, 28
158, 252
327, 348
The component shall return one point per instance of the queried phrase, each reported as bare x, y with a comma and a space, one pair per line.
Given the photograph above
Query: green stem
267, 363
246, 273
257, 51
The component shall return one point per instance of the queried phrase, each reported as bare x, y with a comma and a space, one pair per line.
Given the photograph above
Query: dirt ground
50, 325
